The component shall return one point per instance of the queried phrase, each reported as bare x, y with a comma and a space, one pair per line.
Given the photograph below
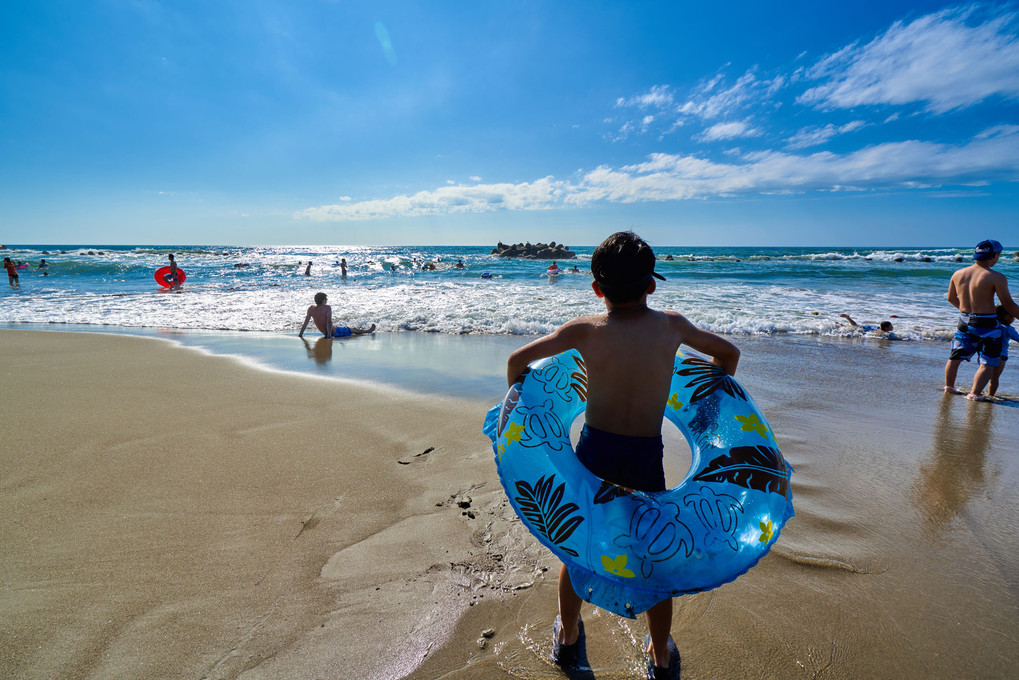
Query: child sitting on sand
1007, 333
322, 314
630, 353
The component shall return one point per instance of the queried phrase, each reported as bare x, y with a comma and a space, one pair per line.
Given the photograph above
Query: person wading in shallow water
972, 290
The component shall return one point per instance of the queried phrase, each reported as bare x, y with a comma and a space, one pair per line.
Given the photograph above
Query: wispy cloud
711, 100
812, 136
715, 99
992, 155
658, 97
947, 60
722, 131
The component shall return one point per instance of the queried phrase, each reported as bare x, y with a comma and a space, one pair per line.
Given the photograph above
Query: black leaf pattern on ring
754, 467
707, 377
542, 507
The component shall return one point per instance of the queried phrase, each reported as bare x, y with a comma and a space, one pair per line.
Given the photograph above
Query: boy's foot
569, 657
976, 397
950, 389
670, 672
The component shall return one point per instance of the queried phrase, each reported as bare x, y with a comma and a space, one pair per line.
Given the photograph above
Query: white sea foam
737, 291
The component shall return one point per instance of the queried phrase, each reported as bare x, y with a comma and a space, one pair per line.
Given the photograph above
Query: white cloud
909, 164
991, 156
812, 136
447, 200
711, 100
999, 130
735, 130
940, 59
707, 103
658, 97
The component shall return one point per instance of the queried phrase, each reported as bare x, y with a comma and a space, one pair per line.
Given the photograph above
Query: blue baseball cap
985, 250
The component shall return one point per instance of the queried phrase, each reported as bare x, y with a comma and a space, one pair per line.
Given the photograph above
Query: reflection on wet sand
954, 471
321, 352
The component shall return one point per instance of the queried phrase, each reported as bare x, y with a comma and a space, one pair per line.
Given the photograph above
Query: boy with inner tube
972, 290
630, 353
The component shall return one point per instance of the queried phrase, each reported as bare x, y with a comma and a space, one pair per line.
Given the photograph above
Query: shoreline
469, 366
176, 514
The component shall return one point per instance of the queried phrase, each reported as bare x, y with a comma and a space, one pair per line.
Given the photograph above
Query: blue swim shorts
633, 462
341, 332
983, 341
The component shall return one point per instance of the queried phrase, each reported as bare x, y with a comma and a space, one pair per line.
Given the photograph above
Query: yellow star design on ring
752, 423
513, 432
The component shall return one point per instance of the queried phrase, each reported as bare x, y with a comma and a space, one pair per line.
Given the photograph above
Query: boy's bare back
629, 353
975, 288
322, 315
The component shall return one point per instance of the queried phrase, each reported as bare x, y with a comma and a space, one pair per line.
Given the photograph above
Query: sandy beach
174, 514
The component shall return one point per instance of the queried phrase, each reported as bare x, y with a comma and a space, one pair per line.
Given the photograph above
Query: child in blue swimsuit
630, 353
1007, 333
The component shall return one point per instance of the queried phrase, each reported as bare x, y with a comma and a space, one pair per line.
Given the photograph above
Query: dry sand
170, 514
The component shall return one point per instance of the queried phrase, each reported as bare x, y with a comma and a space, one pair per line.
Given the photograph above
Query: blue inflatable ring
627, 550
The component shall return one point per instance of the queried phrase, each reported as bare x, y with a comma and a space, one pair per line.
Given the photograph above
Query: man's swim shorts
341, 332
633, 462
977, 334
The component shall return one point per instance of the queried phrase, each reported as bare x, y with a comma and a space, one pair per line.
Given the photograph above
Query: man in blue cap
972, 290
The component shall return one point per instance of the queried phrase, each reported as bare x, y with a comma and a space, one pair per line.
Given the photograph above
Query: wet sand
173, 514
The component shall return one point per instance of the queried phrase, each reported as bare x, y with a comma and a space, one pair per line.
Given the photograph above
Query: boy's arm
307, 318
330, 327
722, 352
1005, 298
563, 338
953, 294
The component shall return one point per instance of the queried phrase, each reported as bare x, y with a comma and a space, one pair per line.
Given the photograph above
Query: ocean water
453, 328
738, 291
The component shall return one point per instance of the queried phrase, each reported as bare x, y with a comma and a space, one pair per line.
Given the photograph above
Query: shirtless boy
173, 278
972, 290
322, 315
630, 352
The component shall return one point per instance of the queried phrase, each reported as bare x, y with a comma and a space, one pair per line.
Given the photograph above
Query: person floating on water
322, 314
12, 273
626, 396
42, 264
1007, 333
885, 327
972, 290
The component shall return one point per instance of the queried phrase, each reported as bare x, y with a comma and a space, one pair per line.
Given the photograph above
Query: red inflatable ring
162, 276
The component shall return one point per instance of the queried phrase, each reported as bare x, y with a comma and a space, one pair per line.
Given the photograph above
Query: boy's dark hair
886, 326
320, 298
623, 265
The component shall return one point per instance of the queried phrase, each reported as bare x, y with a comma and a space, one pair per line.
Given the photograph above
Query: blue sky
694, 123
